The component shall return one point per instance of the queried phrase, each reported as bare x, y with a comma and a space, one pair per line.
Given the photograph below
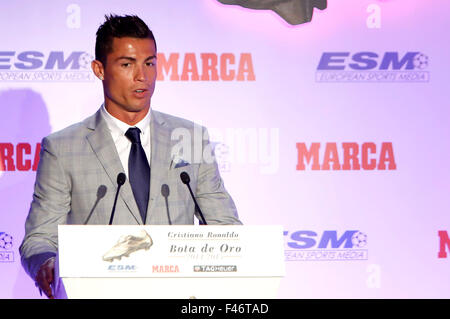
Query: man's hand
45, 277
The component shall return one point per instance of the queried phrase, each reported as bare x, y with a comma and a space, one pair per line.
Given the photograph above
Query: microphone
101, 192
121, 178
165, 191
186, 179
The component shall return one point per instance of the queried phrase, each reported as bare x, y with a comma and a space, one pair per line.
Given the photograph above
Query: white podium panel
169, 261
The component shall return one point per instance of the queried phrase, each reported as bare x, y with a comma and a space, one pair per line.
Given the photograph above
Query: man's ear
97, 68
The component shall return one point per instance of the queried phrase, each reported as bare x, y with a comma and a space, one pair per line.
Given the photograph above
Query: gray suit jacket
76, 183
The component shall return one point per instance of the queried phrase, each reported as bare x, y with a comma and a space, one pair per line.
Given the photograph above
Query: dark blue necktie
139, 171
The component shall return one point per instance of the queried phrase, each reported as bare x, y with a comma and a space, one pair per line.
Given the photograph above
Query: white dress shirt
123, 144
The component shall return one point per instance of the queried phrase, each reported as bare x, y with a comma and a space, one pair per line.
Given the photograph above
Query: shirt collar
117, 126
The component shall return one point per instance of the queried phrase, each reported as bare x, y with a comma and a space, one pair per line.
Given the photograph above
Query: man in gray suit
76, 180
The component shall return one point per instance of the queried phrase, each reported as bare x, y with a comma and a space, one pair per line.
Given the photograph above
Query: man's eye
125, 65
150, 63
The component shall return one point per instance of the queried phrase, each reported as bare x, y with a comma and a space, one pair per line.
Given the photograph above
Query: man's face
130, 75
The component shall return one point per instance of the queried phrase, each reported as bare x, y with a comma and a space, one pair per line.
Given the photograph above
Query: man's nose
140, 74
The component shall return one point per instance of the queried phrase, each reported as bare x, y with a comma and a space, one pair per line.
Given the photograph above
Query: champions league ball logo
6, 244
85, 60
359, 240
420, 61
6, 241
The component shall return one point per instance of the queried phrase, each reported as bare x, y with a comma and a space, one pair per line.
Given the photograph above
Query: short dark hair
119, 27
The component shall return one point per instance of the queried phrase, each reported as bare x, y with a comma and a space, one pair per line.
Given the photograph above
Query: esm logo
370, 66
372, 61
40, 66
327, 245
33, 60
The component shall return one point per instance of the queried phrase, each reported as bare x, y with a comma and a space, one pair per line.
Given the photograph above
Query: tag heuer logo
215, 268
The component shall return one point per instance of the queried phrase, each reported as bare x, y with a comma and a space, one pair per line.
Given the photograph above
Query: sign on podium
123, 261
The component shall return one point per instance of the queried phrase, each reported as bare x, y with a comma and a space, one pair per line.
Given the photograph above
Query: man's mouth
141, 93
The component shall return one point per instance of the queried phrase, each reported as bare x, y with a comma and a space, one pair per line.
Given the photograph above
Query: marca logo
205, 67
352, 156
165, 268
307, 245
444, 241
6, 243
20, 157
372, 67
30, 66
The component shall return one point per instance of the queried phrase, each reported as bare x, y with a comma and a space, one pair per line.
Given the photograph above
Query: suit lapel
160, 157
103, 146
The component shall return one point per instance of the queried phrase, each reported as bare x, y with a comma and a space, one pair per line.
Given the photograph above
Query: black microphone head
165, 191
121, 178
101, 191
185, 178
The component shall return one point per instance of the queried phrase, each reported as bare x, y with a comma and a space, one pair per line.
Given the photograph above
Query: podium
169, 262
